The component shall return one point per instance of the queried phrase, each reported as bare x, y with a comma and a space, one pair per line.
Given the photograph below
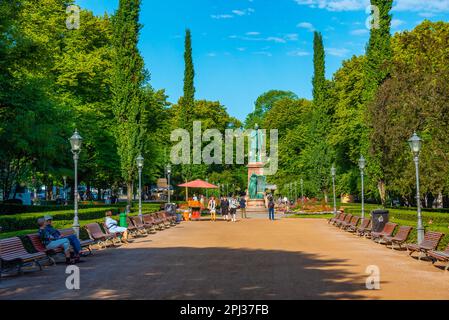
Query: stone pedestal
255, 205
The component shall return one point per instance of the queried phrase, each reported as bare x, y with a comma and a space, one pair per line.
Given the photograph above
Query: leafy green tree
263, 105
127, 81
377, 69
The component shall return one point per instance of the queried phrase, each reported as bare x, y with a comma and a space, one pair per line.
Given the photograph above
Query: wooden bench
144, 227
347, 219
386, 232
399, 239
431, 241
364, 228
14, 255
85, 244
352, 224
133, 230
39, 247
442, 256
99, 237
153, 221
340, 218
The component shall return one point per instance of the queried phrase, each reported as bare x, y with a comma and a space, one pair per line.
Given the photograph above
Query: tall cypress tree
378, 51
377, 70
188, 100
127, 81
318, 147
319, 76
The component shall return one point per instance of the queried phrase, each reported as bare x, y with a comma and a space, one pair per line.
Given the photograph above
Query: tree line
370, 107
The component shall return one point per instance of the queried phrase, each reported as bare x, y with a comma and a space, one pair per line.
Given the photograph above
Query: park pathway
252, 259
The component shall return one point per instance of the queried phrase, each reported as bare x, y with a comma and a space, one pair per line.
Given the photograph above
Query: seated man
113, 227
74, 241
52, 243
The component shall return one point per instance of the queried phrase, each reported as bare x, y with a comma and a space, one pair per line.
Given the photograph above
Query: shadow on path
194, 273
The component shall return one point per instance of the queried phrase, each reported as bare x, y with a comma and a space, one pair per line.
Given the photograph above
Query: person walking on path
212, 206
225, 208
234, 204
271, 206
243, 207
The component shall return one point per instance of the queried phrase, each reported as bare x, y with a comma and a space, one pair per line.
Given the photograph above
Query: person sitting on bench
73, 239
113, 227
52, 243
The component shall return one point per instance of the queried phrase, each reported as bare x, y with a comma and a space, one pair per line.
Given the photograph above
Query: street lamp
362, 165
140, 160
334, 173
168, 181
415, 143
76, 142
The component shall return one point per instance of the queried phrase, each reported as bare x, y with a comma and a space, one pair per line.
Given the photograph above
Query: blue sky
242, 48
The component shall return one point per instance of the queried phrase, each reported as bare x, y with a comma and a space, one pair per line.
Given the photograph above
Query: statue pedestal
255, 205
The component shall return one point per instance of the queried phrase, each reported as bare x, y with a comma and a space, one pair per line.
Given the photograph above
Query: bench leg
447, 267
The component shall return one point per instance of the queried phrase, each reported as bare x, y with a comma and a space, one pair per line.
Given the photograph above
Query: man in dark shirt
74, 241
50, 242
243, 207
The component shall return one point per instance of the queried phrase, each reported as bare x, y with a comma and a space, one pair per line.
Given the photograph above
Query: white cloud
396, 23
336, 52
240, 13
306, 25
335, 5
222, 16
253, 33
359, 32
263, 53
399, 5
298, 53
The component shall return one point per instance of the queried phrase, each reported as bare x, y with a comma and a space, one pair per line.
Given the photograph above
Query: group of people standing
228, 207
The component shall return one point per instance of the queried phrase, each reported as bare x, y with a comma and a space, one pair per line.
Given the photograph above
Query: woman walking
212, 206
225, 208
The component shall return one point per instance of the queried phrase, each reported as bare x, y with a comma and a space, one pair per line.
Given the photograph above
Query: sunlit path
254, 259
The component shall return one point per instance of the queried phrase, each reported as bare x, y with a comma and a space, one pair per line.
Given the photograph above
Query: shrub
28, 221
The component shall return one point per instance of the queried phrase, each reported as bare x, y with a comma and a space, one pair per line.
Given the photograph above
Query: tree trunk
438, 202
129, 187
382, 191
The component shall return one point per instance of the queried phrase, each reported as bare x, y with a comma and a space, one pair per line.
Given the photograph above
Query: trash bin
123, 222
379, 219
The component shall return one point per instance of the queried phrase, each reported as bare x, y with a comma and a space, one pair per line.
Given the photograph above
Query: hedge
29, 221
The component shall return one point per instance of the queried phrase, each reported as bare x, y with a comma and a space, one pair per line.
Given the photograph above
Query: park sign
162, 183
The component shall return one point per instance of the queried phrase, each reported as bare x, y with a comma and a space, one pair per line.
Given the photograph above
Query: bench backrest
94, 231
12, 248
342, 217
432, 239
36, 242
348, 218
355, 221
389, 229
148, 218
403, 233
67, 232
365, 224
137, 221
